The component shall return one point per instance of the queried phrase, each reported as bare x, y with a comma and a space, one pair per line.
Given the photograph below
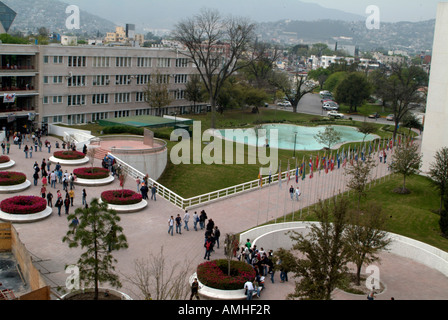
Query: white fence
190, 203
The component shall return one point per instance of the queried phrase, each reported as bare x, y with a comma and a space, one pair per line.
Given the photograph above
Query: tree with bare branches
216, 45
157, 280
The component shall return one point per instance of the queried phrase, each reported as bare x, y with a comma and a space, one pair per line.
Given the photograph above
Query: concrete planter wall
15, 188
116, 293
69, 162
25, 218
217, 294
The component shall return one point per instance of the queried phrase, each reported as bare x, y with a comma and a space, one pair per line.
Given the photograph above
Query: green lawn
207, 178
410, 215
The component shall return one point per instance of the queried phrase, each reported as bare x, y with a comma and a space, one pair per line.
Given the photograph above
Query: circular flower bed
121, 197
69, 155
214, 274
11, 178
23, 205
4, 159
91, 173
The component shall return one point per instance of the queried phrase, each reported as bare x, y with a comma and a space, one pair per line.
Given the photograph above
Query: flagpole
278, 190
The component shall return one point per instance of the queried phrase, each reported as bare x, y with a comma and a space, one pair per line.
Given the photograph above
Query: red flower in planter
4, 159
23, 205
214, 274
91, 173
121, 197
11, 178
69, 155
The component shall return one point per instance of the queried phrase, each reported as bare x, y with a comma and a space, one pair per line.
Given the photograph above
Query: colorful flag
260, 179
288, 172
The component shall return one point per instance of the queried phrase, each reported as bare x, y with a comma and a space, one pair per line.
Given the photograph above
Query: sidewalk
146, 232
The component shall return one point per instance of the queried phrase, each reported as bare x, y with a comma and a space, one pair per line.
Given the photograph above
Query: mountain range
301, 21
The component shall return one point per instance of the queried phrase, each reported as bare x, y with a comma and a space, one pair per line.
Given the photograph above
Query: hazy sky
168, 12
391, 10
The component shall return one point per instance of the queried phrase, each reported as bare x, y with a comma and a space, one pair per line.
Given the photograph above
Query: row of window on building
104, 98
104, 80
120, 62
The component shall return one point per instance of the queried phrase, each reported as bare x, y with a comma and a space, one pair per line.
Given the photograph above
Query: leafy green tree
353, 90
334, 79
99, 234
406, 160
194, 90
328, 137
366, 128
410, 121
438, 172
365, 235
320, 75
402, 89
326, 253
359, 176
443, 221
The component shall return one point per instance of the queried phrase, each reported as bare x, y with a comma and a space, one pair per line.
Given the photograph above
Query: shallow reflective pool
304, 137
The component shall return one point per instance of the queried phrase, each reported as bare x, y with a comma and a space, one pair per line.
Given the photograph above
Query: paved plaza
146, 232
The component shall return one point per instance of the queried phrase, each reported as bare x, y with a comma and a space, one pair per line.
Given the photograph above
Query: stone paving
146, 232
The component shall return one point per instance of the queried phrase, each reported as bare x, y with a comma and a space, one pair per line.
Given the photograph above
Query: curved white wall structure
274, 236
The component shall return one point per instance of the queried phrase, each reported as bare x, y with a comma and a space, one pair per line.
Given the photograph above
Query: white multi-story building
82, 84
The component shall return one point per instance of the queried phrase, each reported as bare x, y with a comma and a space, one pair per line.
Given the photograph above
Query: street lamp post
295, 140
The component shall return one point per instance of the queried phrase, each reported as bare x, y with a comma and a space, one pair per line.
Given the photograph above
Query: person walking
208, 248
67, 204
178, 224
50, 199
43, 191
195, 221
71, 194
8, 147
25, 149
170, 225
58, 205
249, 287
3, 147
75, 223
291, 192
36, 177
153, 192
217, 234
186, 219
53, 179
194, 289
202, 219
84, 197
297, 193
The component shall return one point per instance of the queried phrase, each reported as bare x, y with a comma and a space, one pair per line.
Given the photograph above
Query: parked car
284, 104
335, 114
330, 105
375, 115
390, 117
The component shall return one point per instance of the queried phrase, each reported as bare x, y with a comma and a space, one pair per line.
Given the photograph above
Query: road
310, 104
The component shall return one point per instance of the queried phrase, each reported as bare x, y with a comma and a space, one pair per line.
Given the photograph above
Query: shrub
11, 178
91, 173
23, 205
69, 155
121, 197
214, 274
4, 159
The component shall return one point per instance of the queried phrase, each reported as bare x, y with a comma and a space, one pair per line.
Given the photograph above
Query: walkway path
146, 232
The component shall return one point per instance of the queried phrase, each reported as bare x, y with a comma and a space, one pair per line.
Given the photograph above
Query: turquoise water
304, 140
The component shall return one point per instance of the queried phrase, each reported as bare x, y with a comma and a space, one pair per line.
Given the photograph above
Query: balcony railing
18, 68
25, 88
